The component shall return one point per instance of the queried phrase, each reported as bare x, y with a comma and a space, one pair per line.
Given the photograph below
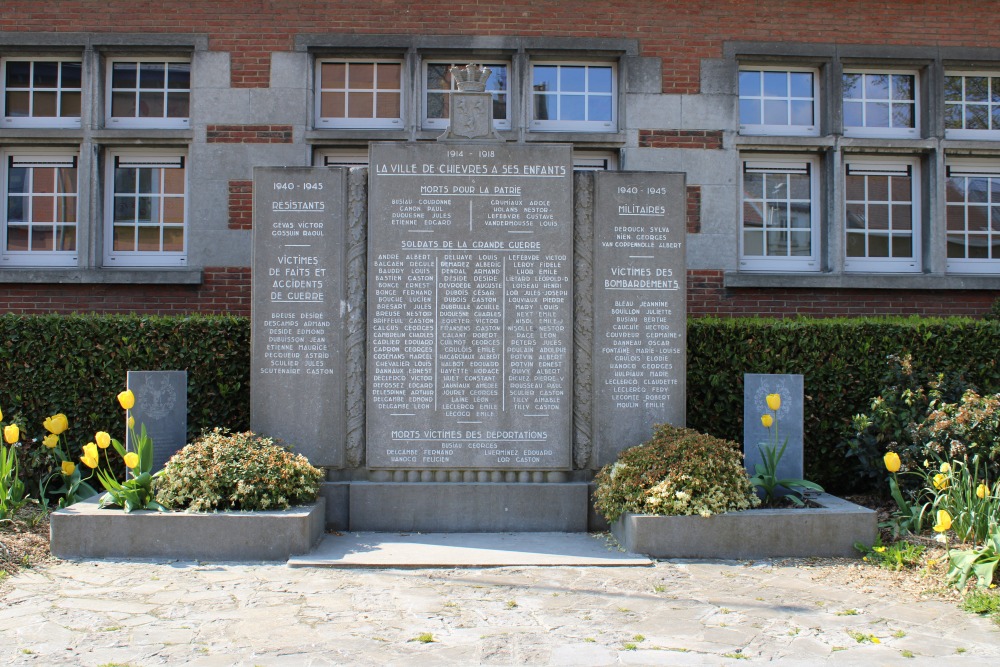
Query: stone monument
494, 327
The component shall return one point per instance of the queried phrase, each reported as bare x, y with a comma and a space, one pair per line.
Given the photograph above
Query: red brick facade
702, 139
248, 134
240, 204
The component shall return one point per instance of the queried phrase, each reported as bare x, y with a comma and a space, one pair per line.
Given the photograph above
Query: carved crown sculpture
471, 78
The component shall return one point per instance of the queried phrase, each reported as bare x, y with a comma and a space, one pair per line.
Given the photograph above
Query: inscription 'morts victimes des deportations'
470, 307
297, 309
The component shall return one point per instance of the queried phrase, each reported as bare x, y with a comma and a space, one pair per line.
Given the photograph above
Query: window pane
152, 76
147, 182
801, 84
856, 216
151, 104
878, 245
45, 104
571, 107
977, 219
123, 239
15, 209
599, 108
18, 104
149, 239
173, 181
66, 238
389, 76
956, 218
751, 215
956, 246
123, 104
753, 243
750, 112
902, 115
147, 209
17, 238
173, 210
359, 105
878, 114
43, 180
72, 75
953, 116
17, 179
977, 88
544, 78
775, 84
46, 74
802, 112
800, 243
902, 246
775, 112
600, 79
878, 188
388, 105
123, 75
953, 88
799, 186
977, 189
855, 188
750, 84
878, 216
179, 76
543, 104
853, 86
331, 105
70, 107
333, 75
977, 117
901, 188
438, 77
856, 245
877, 86
753, 186
572, 79
902, 87
173, 239
178, 105
124, 181
902, 217
361, 75
978, 246
124, 209
18, 74
853, 114
42, 239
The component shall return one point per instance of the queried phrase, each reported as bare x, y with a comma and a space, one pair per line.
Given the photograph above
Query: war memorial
465, 331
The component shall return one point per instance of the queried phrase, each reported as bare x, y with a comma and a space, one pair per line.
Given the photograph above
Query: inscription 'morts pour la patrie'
640, 307
297, 296
470, 307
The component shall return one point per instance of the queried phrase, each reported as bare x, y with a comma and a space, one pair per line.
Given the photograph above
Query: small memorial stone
160, 405
788, 422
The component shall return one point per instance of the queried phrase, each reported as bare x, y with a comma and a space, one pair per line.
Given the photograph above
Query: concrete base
828, 530
468, 507
84, 531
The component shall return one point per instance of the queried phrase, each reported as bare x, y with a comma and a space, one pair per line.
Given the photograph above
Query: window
359, 94
341, 157
438, 86
573, 97
148, 93
882, 215
146, 209
972, 105
880, 104
39, 215
779, 222
778, 101
41, 92
973, 216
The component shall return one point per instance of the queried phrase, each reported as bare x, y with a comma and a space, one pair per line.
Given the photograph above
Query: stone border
828, 530
84, 531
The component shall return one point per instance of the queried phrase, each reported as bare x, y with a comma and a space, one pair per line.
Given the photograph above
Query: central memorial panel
470, 321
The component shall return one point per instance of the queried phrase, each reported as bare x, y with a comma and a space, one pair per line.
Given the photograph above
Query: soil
24, 542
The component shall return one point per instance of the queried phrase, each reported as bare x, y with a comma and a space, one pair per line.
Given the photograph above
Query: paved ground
669, 613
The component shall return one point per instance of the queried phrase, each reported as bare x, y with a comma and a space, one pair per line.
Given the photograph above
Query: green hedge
843, 362
77, 364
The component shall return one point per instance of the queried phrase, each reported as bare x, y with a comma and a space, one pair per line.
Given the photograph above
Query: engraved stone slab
640, 307
160, 404
470, 307
756, 387
297, 363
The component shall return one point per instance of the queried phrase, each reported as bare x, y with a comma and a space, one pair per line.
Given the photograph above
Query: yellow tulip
766, 420
11, 433
56, 424
943, 521
68, 468
1, 415
891, 461
982, 491
126, 399
103, 439
90, 456
946, 467
131, 460
774, 401
131, 422
940, 481
51, 440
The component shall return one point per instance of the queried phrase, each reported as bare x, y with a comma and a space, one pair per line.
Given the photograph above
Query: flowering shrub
237, 471
678, 471
968, 428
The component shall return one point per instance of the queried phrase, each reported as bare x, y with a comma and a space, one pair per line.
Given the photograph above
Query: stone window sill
52, 276
861, 281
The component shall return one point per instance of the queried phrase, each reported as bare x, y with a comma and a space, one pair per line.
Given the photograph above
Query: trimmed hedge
844, 363
77, 364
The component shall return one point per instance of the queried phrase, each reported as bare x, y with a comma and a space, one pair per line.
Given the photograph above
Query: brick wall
707, 295
224, 291
240, 204
681, 32
703, 139
248, 134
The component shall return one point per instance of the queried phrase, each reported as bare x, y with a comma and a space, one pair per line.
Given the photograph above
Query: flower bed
830, 529
85, 531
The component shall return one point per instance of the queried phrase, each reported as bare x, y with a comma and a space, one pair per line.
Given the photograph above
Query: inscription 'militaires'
469, 304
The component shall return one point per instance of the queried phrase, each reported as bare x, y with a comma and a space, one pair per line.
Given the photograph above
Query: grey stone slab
160, 405
470, 307
468, 507
640, 307
788, 424
831, 529
84, 531
297, 364
411, 550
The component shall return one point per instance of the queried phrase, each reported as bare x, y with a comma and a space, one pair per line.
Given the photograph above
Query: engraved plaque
470, 307
297, 380
160, 405
640, 307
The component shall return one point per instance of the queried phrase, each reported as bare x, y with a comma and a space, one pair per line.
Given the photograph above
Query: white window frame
962, 133
558, 125
341, 157
359, 123
884, 166
973, 167
869, 131
163, 158
595, 161
31, 156
787, 129
70, 122
442, 123
141, 122
778, 164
